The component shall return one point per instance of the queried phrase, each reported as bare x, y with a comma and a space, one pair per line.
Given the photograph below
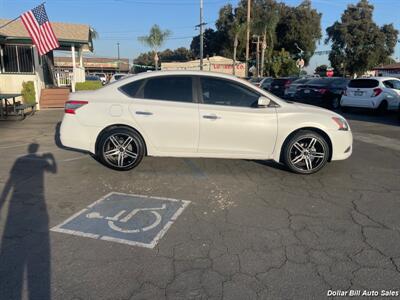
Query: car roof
379, 78
144, 75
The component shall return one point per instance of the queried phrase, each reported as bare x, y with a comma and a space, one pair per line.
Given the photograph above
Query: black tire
312, 155
382, 108
335, 103
121, 157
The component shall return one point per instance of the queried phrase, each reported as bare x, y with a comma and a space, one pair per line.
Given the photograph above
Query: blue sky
124, 20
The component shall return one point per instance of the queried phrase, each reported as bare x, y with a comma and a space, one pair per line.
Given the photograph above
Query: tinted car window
301, 81
340, 83
225, 92
363, 83
170, 88
131, 88
396, 84
389, 84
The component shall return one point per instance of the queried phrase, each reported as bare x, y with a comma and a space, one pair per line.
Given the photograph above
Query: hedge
88, 85
28, 92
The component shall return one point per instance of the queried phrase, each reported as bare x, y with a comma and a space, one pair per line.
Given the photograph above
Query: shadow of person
25, 248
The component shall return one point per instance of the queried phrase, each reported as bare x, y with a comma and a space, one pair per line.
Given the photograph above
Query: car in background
279, 85
377, 93
117, 76
290, 91
325, 92
256, 80
102, 76
200, 114
92, 78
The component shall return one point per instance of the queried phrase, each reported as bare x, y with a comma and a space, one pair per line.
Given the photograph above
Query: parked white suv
379, 93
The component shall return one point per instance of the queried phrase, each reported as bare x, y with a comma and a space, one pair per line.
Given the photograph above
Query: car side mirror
263, 101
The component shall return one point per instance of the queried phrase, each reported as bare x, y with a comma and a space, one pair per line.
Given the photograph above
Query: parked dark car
290, 91
325, 92
278, 85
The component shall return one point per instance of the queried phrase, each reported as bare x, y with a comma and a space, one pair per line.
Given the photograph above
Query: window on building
17, 59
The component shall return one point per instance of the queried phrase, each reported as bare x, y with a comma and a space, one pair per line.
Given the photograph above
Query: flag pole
15, 19
9, 22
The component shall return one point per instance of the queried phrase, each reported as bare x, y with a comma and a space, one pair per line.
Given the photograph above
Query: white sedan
201, 114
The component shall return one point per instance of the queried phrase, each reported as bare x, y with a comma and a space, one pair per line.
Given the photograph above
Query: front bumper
342, 144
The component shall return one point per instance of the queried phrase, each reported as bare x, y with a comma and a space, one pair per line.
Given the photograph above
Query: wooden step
54, 97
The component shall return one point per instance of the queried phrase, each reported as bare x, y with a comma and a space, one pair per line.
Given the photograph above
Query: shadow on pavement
25, 246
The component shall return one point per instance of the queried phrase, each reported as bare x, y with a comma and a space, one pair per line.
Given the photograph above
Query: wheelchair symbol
117, 217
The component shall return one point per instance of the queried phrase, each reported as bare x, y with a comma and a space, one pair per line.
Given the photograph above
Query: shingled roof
79, 33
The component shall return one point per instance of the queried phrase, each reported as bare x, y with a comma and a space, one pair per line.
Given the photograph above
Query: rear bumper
74, 135
342, 144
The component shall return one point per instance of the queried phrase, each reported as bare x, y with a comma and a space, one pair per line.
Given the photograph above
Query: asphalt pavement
229, 229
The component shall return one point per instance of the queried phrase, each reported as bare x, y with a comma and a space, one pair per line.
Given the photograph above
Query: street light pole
247, 38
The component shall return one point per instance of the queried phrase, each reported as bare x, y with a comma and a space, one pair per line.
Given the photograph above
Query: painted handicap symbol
129, 216
136, 220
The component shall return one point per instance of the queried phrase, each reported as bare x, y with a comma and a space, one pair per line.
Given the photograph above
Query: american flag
38, 25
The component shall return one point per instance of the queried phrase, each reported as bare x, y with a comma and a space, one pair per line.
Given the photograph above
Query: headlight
341, 123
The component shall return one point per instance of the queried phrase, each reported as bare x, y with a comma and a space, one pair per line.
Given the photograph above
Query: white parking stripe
378, 140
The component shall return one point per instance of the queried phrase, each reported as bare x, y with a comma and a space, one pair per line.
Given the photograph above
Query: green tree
155, 40
211, 44
299, 25
266, 17
238, 31
321, 70
358, 43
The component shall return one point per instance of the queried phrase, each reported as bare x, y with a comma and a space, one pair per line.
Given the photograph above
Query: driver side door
231, 123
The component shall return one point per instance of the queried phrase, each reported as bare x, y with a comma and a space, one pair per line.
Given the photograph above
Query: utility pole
248, 38
258, 54
201, 35
118, 57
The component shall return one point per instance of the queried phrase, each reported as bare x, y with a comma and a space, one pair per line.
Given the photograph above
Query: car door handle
211, 117
144, 113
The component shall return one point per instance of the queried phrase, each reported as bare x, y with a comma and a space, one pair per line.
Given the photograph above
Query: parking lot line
378, 140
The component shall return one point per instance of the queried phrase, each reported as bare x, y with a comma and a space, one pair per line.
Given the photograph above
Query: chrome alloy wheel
307, 153
120, 150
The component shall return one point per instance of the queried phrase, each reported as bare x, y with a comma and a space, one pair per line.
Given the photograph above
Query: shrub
28, 92
88, 85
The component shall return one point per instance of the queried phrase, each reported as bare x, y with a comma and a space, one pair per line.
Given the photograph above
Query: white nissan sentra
201, 114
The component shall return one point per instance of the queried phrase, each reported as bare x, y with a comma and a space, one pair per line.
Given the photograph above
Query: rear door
166, 110
231, 124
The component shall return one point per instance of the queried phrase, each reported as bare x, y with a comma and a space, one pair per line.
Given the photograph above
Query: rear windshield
363, 83
280, 81
300, 81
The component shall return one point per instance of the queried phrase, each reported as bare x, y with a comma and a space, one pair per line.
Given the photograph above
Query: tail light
72, 105
287, 84
377, 92
344, 92
322, 91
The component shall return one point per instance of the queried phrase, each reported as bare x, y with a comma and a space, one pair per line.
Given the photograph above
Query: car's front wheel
306, 152
121, 148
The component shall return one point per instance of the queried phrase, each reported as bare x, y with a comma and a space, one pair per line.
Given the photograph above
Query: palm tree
265, 27
155, 40
238, 30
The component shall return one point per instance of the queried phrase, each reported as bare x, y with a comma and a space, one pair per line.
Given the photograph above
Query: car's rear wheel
382, 108
121, 149
306, 152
